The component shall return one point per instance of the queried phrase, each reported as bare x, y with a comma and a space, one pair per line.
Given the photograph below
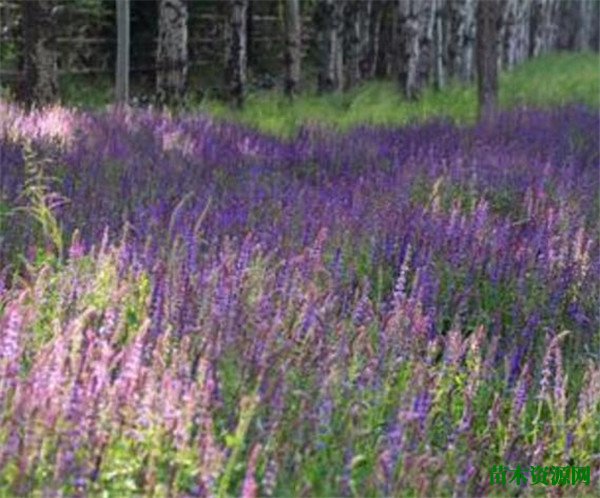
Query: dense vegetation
188, 306
543, 82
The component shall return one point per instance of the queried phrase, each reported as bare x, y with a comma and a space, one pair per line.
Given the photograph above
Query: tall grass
551, 80
378, 313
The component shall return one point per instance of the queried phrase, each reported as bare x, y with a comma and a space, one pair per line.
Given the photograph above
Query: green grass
546, 81
551, 80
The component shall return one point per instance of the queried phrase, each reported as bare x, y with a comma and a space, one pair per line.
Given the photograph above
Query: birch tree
487, 16
352, 42
388, 34
508, 38
438, 57
327, 20
368, 63
543, 27
123, 42
172, 51
587, 14
339, 7
293, 46
415, 25
522, 27
235, 74
408, 50
40, 55
426, 60
461, 38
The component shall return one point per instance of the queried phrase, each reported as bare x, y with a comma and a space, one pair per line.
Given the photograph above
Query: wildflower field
192, 308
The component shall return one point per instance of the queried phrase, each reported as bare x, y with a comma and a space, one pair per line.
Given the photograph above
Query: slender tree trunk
292, 46
468, 69
40, 56
427, 9
365, 19
509, 37
502, 21
456, 28
409, 46
122, 83
595, 34
235, 73
439, 44
461, 38
251, 57
487, 15
523, 20
327, 23
172, 56
387, 38
352, 46
587, 21
543, 29
338, 17
369, 62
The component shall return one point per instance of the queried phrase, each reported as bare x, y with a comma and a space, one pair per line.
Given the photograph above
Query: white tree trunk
365, 37
543, 28
235, 74
510, 36
41, 76
439, 44
461, 38
172, 52
587, 19
488, 14
352, 43
409, 45
123, 42
522, 38
338, 19
292, 46
329, 26
468, 69
426, 64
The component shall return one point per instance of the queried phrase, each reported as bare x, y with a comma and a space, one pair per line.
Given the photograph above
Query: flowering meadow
191, 308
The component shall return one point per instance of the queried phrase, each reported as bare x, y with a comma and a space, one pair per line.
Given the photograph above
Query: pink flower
250, 487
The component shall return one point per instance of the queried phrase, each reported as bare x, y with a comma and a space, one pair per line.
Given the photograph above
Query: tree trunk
369, 61
235, 73
292, 47
365, 20
327, 23
502, 21
427, 9
543, 30
468, 69
522, 22
461, 37
122, 83
585, 27
439, 44
509, 34
487, 15
251, 57
352, 46
595, 34
387, 38
409, 45
172, 56
40, 55
338, 16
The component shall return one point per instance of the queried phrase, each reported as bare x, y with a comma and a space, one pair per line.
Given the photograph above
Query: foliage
381, 312
544, 81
